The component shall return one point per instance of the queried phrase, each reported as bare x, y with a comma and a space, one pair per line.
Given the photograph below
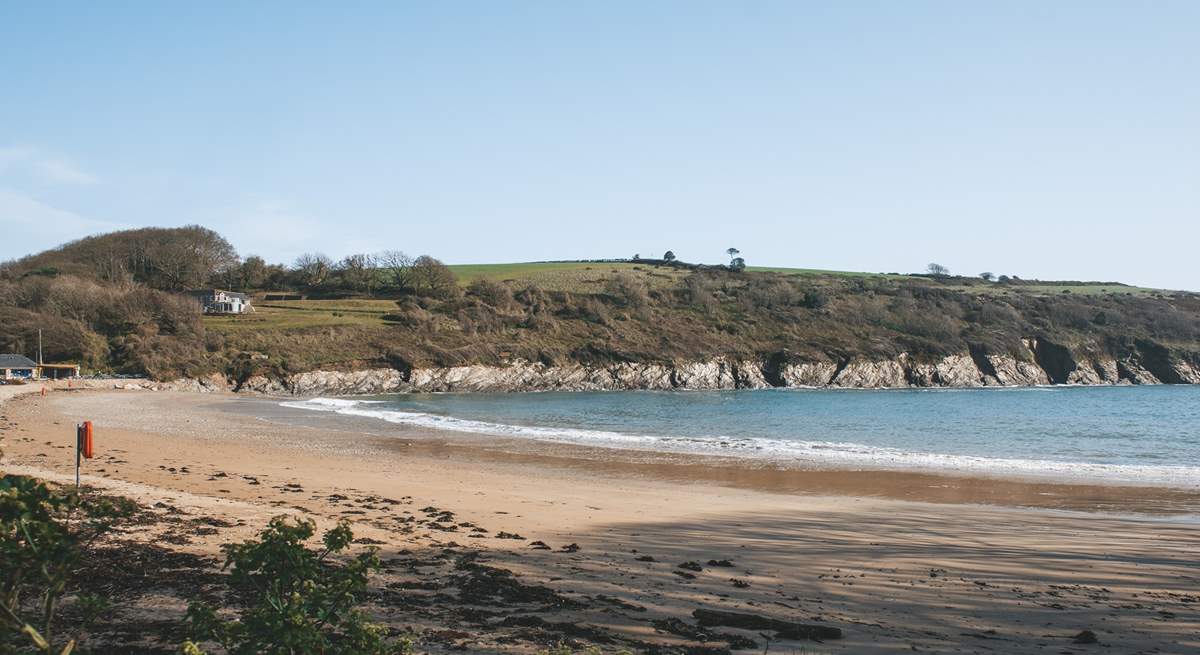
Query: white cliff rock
1186, 371
951, 371
958, 370
863, 374
1012, 372
808, 374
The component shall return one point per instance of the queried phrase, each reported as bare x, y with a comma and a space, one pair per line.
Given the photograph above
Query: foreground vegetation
44, 537
111, 303
288, 598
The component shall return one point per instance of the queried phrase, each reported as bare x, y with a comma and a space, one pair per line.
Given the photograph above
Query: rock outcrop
953, 371
1037, 362
808, 374
880, 374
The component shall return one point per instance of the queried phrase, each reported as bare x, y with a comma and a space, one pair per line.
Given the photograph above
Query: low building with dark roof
17, 367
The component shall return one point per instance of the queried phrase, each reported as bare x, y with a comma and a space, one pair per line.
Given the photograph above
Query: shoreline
778, 459
929, 485
894, 574
943, 487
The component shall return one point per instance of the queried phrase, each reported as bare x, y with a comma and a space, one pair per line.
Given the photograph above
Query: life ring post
84, 446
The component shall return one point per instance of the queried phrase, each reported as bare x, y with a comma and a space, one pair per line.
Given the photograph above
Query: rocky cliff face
1039, 362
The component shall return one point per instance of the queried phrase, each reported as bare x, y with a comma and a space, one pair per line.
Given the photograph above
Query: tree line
193, 257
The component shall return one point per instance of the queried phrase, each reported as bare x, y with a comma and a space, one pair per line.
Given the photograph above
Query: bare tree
312, 269
433, 278
358, 272
189, 257
937, 270
399, 268
987, 276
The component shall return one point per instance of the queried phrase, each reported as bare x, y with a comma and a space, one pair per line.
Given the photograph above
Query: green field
588, 277
575, 277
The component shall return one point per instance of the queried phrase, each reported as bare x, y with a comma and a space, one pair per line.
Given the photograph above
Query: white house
219, 301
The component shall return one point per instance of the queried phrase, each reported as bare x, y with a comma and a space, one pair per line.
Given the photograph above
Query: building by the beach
219, 301
58, 371
17, 367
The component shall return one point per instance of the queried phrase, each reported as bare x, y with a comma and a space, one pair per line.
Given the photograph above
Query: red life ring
85, 437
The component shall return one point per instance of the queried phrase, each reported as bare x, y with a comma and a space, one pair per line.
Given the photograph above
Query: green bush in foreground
43, 536
292, 599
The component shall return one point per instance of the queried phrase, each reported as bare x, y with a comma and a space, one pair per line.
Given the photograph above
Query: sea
1142, 435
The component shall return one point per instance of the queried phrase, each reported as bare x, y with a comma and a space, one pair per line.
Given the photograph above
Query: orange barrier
43, 391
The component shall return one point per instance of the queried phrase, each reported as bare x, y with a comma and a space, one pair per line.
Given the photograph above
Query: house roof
213, 292
10, 360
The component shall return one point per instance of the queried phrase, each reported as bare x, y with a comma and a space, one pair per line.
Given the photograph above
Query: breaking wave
827, 454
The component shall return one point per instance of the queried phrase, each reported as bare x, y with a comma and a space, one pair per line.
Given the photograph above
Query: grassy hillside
107, 303
601, 313
589, 276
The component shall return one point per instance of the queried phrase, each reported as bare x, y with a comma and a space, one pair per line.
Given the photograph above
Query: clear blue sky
1043, 139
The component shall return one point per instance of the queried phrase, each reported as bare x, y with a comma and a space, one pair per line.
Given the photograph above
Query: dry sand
850, 550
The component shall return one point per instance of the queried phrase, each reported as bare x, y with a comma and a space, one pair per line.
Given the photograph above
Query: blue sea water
1140, 435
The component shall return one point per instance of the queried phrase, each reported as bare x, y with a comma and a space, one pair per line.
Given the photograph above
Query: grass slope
590, 277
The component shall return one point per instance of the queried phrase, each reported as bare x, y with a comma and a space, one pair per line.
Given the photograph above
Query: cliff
1045, 363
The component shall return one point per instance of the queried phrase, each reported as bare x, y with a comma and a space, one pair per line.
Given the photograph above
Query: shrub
493, 293
292, 599
628, 290
814, 299
768, 293
699, 291
43, 536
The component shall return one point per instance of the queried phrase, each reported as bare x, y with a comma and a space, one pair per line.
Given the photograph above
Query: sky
1054, 140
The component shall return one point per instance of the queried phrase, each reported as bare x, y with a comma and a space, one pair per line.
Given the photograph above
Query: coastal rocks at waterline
884, 374
520, 376
1039, 363
808, 374
1010, 372
952, 371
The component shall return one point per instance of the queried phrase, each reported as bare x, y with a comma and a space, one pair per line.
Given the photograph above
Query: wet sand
899, 561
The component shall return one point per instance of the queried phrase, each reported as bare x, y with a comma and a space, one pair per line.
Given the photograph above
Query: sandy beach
898, 561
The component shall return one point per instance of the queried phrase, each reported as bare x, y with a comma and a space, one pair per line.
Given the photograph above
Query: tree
669, 256
253, 273
987, 276
358, 272
291, 599
937, 270
187, 257
399, 268
737, 264
312, 269
732, 252
433, 278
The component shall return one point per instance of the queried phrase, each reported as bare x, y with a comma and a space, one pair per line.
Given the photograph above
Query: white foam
812, 453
